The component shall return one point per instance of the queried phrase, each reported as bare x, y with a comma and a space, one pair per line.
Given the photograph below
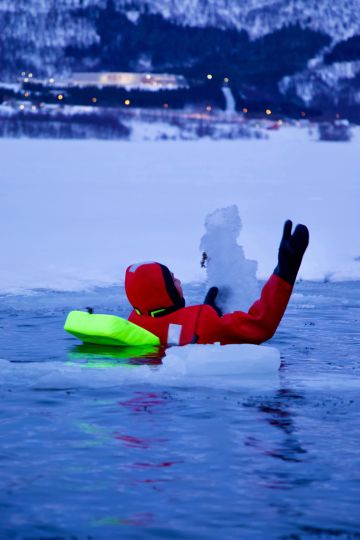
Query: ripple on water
93, 457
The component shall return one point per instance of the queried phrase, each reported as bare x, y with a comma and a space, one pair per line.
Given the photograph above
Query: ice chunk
224, 361
226, 264
193, 365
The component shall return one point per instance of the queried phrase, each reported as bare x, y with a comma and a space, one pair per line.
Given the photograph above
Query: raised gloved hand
291, 250
210, 299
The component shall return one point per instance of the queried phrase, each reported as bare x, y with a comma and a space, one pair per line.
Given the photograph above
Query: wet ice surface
184, 461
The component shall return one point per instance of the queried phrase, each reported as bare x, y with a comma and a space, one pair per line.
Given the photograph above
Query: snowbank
75, 213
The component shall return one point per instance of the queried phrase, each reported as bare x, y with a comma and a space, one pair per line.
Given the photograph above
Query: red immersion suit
159, 308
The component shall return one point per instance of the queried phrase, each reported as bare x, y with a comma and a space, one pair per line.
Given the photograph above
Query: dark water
183, 462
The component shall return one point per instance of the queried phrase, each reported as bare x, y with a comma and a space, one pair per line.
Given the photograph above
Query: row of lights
210, 76
22, 108
127, 102
269, 112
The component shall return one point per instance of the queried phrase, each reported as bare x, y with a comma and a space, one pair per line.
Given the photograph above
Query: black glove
291, 251
210, 299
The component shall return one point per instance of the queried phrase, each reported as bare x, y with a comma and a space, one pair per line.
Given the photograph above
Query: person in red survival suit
159, 304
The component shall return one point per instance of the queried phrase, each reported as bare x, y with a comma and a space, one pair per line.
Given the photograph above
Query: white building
130, 81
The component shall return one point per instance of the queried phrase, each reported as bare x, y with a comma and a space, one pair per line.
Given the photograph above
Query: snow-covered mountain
340, 19
306, 50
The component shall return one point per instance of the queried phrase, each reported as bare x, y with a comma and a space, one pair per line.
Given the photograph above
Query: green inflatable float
108, 330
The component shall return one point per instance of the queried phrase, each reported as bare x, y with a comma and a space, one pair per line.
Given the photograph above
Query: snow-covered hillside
332, 82
340, 20
35, 34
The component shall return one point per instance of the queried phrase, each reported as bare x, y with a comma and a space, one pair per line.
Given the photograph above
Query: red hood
150, 287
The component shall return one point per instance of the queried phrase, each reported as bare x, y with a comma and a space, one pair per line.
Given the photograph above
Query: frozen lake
77, 213
180, 461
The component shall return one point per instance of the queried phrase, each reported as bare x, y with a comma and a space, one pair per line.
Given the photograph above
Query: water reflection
276, 411
144, 519
146, 401
107, 356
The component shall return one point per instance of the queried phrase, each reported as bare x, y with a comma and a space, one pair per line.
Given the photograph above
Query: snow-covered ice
76, 213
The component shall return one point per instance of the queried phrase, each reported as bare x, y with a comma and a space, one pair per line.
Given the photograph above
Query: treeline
57, 125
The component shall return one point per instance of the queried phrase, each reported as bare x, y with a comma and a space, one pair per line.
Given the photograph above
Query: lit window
60, 97
127, 102
94, 99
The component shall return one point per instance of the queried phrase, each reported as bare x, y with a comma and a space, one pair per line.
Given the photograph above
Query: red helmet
151, 290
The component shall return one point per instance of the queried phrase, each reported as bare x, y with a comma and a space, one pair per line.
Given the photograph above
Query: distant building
130, 81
